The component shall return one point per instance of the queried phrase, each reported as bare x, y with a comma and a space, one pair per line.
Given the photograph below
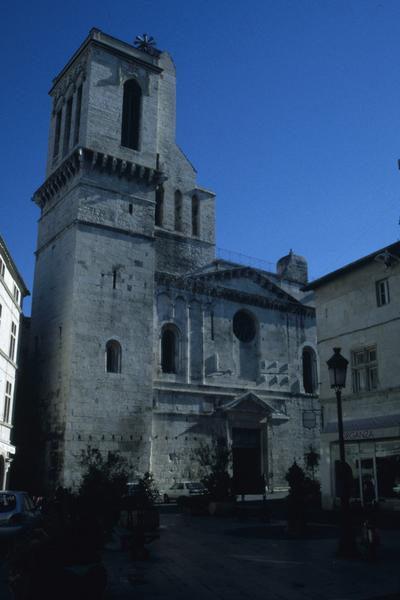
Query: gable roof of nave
227, 283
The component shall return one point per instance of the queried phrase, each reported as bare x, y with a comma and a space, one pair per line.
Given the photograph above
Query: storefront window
375, 469
388, 469
352, 453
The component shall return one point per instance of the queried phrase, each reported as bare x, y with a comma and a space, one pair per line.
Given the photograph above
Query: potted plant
214, 461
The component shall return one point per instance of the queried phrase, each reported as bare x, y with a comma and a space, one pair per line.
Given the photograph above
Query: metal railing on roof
243, 259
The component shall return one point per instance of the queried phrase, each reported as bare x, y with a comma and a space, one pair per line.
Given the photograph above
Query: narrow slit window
131, 108
114, 279
195, 216
113, 357
57, 133
78, 114
159, 206
178, 211
382, 292
67, 127
309, 371
169, 351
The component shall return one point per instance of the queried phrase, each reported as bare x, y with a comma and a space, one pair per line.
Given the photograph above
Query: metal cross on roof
145, 42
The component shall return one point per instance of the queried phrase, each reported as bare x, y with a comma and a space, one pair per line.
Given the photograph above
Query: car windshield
177, 486
195, 486
7, 502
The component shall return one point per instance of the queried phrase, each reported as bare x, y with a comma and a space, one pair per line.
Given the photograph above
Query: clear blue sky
289, 109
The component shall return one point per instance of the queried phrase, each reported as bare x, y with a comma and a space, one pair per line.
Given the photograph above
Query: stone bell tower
113, 120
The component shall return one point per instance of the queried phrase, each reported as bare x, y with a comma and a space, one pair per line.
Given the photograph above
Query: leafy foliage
214, 461
103, 484
146, 492
312, 461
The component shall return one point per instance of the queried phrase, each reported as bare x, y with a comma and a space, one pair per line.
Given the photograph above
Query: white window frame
382, 292
2, 267
16, 294
13, 341
364, 369
7, 403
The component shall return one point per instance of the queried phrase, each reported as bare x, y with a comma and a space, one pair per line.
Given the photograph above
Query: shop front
373, 455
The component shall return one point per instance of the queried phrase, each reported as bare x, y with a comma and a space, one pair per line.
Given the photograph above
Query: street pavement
228, 559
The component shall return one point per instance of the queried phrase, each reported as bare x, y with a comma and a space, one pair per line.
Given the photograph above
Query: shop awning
365, 424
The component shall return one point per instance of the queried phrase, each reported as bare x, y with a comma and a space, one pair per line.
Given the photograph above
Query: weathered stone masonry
205, 348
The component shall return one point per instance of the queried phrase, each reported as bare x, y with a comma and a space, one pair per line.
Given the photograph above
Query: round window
244, 326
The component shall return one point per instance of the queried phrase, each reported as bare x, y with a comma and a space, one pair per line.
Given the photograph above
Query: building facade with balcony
12, 293
358, 310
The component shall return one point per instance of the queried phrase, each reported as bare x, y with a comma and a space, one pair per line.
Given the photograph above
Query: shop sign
364, 434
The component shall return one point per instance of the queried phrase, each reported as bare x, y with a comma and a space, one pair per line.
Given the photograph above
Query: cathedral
142, 342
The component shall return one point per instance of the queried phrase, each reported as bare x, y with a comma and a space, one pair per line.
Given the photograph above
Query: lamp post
337, 367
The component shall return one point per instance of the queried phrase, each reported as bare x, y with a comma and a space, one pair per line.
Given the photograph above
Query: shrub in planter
103, 484
138, 507
214, 461
296, 499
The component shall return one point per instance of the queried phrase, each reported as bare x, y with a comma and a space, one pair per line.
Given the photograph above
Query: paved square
224, 558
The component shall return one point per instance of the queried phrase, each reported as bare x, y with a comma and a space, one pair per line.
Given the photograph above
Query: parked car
181, 489
18, 514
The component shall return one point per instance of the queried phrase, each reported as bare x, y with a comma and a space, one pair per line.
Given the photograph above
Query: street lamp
337, 367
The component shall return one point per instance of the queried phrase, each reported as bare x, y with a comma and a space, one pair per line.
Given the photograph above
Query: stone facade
133, 336
12, 293
358, 310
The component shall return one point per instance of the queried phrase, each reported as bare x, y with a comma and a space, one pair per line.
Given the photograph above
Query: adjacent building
142, 342
358, 310
12, 293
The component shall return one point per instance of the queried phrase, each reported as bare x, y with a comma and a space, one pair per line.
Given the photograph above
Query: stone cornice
229, 391
122, 49
86, 160
259, 277
183, 238
11, 295
6, 256
198, 285
8, 359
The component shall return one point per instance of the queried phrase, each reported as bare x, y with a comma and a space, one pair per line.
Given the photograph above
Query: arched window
131, 108
169, 350
244, 326
309, 370
159, 214
245, 329
178, 211
195, 216
113, 357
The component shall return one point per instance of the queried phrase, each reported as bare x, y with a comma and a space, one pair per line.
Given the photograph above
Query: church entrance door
246, 455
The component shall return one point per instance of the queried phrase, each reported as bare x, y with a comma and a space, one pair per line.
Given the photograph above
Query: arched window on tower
159, 213
178, 211
131, 108
309, 370
169, 349
195, 216
113, 356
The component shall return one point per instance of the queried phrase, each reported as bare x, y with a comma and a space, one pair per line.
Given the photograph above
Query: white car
184, 488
